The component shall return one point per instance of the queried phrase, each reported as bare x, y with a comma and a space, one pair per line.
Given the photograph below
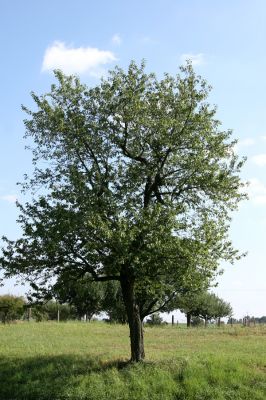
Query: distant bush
11, 308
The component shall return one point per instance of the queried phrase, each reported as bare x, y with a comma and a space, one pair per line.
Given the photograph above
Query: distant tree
11, 307
84, 294
222, 309
204, 305
207, 308
155, 319
189, 303
51, 310
138, 185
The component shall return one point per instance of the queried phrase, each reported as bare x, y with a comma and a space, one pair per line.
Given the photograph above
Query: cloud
196, 59
10, 198
116, 39
263, 138
73, 60
257, 191
259, 159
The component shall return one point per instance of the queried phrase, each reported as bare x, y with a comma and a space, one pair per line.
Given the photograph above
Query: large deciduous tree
136, 184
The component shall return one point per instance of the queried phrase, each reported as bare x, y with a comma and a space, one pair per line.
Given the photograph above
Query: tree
190, 304
223, 309
137, 186
11, 307
209, 307
204, 305
261, 320
85, 295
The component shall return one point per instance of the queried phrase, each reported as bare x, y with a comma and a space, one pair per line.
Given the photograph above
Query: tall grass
41, 361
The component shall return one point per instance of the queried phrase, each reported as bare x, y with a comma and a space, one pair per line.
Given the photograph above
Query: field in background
41, 361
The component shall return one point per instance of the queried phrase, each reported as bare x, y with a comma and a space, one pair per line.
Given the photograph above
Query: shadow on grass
43, 378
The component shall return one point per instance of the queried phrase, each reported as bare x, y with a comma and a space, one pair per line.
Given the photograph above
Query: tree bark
134, 319
188, 320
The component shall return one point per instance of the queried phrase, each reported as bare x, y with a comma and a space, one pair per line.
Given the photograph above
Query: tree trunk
188, 320
134, 319
5, 317
219, 322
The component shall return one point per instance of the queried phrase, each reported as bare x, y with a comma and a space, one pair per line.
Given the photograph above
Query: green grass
41, 361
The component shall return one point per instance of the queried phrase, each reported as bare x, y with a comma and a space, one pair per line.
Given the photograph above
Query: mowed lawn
41, 361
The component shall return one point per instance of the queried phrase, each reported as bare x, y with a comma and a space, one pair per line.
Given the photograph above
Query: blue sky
225, 41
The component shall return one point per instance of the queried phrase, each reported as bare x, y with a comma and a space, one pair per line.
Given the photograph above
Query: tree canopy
136, 183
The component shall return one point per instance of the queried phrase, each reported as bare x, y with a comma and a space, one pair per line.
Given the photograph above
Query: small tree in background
223, 309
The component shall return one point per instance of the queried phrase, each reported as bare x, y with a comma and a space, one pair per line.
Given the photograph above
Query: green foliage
261, 320
11, 308
113, 303
138, 184
85, 295
223, 309
49, 311
128, 163
204, 305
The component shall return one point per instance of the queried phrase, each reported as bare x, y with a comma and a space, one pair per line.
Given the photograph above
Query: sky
225, 41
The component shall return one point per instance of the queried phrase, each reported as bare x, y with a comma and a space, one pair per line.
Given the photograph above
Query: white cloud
116, 39
257, 191
76, 60
263, 138
196, 59
259, 159
10, 198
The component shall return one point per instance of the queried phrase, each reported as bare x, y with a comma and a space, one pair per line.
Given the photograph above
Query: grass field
41, 361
